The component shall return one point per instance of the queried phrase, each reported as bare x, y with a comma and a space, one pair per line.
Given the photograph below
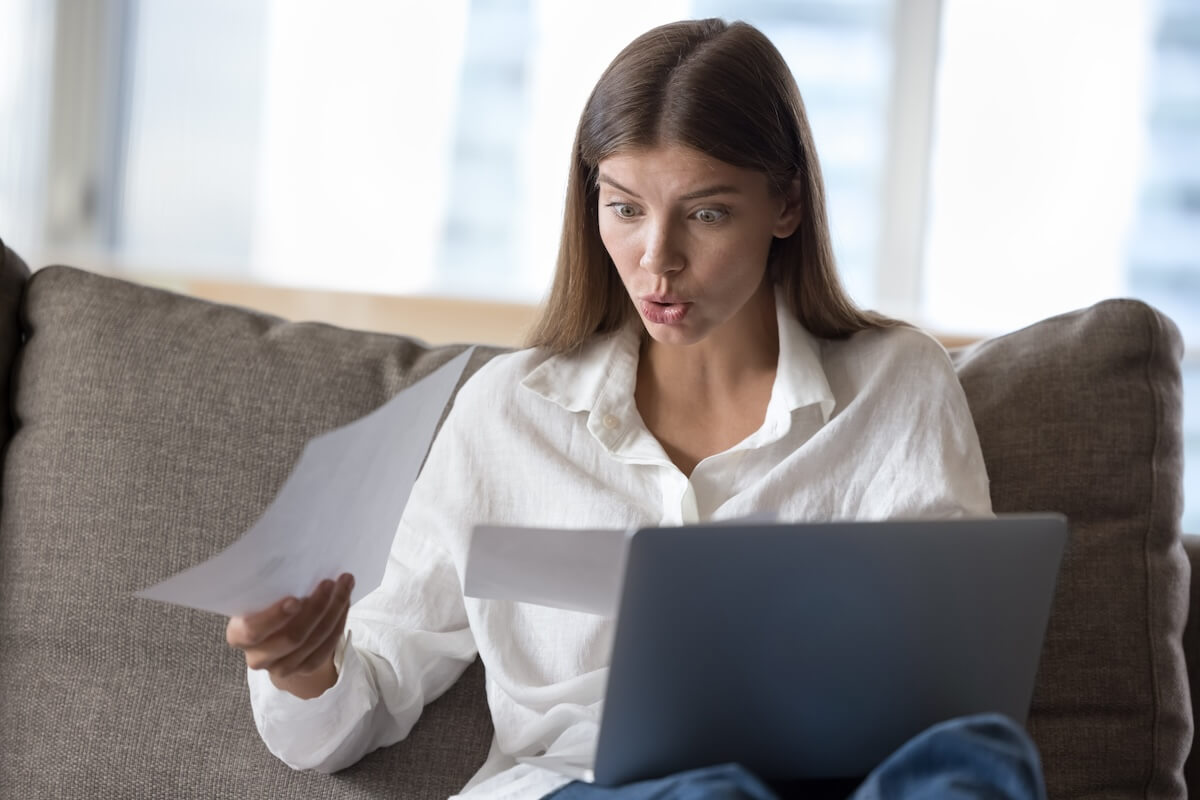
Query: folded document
575, 570
336, 512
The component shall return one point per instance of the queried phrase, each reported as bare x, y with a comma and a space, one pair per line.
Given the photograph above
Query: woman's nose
660, 253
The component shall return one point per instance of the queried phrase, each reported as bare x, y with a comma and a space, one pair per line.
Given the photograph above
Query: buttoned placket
678, 497
628, 440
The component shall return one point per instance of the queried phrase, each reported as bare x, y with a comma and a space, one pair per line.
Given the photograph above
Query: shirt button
611, 422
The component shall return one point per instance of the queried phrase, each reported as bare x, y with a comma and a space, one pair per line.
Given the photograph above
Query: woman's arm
321, 699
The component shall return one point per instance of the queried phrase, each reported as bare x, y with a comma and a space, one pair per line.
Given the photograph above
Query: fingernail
291, 605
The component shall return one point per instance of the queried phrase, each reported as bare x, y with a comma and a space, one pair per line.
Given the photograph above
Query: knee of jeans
720, 782
995, 728
992, 721
1007, 742
984, 750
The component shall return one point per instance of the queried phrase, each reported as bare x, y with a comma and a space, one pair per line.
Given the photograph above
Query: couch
143, 431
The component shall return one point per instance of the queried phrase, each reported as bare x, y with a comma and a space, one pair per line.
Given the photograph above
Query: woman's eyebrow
605, 179
708, 191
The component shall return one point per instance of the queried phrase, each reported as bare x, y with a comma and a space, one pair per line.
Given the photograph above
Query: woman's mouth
665, 311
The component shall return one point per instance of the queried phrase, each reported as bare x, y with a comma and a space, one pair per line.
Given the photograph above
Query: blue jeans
985, 756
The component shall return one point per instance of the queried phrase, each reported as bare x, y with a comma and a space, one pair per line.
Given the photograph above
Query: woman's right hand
294, 639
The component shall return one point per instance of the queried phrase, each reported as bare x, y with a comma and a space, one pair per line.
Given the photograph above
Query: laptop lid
814, 651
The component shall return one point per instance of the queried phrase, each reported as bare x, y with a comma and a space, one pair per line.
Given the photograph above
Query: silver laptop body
813, 651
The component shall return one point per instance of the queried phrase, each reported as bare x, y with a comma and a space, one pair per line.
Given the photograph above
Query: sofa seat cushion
152, 430
1081, 414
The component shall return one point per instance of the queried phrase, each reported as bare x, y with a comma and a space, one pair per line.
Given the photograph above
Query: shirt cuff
272, 703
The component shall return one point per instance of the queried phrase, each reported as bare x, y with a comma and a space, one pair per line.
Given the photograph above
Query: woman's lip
664, 313
662, 299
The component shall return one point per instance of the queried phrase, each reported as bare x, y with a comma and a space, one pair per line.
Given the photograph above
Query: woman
697, 360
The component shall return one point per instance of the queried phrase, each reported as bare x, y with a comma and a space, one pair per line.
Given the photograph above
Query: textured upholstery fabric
1081, 414
153, 429
13, 274
1191, 649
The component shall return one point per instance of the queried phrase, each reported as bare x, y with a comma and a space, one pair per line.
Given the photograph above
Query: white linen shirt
872, 427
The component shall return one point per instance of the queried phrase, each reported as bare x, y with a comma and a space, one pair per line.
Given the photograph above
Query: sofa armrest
1191, 651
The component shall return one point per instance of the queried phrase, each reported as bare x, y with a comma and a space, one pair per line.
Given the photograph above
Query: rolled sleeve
307, 734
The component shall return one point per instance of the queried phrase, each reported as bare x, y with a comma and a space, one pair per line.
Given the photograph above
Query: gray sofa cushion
1191, 651
153, 430
13, 274
1081, 414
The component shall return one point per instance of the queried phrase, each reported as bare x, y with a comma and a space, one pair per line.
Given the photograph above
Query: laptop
814, 651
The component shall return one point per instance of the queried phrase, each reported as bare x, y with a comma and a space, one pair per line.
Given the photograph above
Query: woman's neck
701, 399
745, 348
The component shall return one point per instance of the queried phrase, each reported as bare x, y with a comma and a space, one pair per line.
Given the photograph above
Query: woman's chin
676, 335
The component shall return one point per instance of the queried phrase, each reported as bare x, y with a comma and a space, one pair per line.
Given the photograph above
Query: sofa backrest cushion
154, 430
13, 274
1191, 653
1081, 414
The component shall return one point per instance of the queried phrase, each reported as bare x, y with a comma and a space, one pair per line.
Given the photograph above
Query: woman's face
690, 236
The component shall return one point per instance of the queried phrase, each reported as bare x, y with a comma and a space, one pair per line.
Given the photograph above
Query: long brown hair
723, 89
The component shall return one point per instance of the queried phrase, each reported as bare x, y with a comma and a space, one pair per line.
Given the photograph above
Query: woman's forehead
675, 169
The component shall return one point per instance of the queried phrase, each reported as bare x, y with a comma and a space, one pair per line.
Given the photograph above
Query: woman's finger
250, 629
332, 621
294, 633
325, 651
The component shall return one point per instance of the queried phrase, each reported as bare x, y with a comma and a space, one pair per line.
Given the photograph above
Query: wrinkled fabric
872, 427
987, 756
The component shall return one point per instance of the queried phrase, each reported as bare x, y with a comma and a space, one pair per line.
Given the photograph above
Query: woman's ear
792, 211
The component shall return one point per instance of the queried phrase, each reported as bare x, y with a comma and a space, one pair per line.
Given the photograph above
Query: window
1164, 248
26, 49
987, 164
1066, 169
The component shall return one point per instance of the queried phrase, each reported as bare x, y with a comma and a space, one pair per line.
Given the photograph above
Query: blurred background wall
988, 162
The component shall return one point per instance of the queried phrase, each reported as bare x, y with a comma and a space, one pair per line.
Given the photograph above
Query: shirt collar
606, 366
800, 379
601, 377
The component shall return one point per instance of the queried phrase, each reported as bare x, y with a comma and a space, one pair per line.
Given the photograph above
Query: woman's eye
710, 215
623, 210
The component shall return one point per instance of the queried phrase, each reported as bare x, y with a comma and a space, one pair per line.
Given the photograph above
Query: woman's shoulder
487, 398
900, 354
559, 377
502, 374
509, 392
900, 340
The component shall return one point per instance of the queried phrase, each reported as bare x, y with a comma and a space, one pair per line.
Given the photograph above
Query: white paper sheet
577, 570
571, 569
337, 511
